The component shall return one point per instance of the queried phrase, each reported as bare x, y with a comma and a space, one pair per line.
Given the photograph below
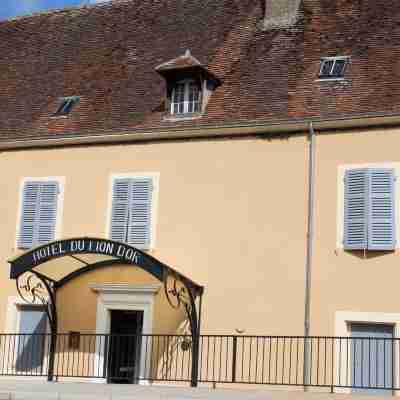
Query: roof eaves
226, 130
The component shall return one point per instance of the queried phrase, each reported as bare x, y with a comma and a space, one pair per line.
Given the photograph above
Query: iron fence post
195, 360
50, 372
234, 354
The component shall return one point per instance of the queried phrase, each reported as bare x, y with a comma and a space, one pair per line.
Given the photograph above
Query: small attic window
333, 67
186, 98
66, 105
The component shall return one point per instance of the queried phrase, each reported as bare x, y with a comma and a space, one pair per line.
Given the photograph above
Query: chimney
281, 13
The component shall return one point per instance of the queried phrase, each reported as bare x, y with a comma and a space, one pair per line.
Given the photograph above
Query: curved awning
58, 262
85, 254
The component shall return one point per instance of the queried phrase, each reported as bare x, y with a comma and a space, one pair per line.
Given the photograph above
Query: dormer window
66, 105
186, 98
333, 67
189, 86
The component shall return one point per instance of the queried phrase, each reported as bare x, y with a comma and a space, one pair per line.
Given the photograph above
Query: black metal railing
331, 362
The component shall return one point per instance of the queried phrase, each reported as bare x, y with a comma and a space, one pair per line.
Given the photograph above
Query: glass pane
194, 96
193, 92
326, 68
68, 106
178, 98
338, 69
60, 110
179, 93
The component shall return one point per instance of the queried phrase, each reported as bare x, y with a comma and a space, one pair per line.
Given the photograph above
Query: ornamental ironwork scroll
177, 292
32, 290
180, 294
36, 290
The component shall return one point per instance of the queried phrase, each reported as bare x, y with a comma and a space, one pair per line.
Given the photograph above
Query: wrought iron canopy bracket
37, 289
181, 293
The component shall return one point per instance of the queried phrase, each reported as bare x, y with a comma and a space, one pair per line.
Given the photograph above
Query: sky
12, 8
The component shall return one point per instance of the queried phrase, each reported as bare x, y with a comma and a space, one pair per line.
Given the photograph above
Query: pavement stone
30, 390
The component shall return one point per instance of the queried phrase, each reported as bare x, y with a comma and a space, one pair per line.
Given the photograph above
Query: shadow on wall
369, 254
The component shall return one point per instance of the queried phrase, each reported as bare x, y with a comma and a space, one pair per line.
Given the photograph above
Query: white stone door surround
122, 296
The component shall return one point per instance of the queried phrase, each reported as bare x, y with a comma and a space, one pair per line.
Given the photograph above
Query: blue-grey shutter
120, 210
356, 209
381, 210
30, 204
47, 212
39, 213
139, 231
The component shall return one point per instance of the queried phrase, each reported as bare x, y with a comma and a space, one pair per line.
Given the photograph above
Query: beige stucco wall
232, 216
350, 281
222, 208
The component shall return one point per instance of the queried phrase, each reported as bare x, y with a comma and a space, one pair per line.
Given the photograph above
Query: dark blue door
372, 358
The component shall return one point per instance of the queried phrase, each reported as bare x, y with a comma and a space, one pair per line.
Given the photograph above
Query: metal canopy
41, 271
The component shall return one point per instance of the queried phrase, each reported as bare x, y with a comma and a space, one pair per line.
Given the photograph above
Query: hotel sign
121, 252
88, 246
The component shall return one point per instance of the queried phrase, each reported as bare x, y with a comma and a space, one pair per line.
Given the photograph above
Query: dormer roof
186, 62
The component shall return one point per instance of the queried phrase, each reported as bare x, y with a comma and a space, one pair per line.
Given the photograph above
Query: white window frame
155, 177
60, 204
186, 101
340, 199
343, 321
332, 78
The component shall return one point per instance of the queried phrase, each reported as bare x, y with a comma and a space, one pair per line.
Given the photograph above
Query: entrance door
372, 358
125, 346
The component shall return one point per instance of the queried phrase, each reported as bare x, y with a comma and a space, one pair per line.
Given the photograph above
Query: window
332, 67
186, 98
38, 213
131, 211
369, 209
67, 103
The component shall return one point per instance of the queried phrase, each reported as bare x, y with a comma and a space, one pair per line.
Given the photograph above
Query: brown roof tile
107, 55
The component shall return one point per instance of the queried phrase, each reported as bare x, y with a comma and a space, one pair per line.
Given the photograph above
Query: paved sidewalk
30, 390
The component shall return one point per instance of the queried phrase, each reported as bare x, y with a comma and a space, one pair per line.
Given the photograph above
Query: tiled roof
107, 55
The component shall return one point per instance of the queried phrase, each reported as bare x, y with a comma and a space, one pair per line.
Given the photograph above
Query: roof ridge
64, 10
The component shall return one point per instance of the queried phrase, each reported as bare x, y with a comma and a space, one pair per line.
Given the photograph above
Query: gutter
233, 130
309, 255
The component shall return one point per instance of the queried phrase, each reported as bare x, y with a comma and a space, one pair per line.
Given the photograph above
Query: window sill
365, 254
58, 116
184, 117
331, 80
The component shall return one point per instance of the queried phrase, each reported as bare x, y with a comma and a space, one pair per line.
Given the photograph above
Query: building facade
252, 147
